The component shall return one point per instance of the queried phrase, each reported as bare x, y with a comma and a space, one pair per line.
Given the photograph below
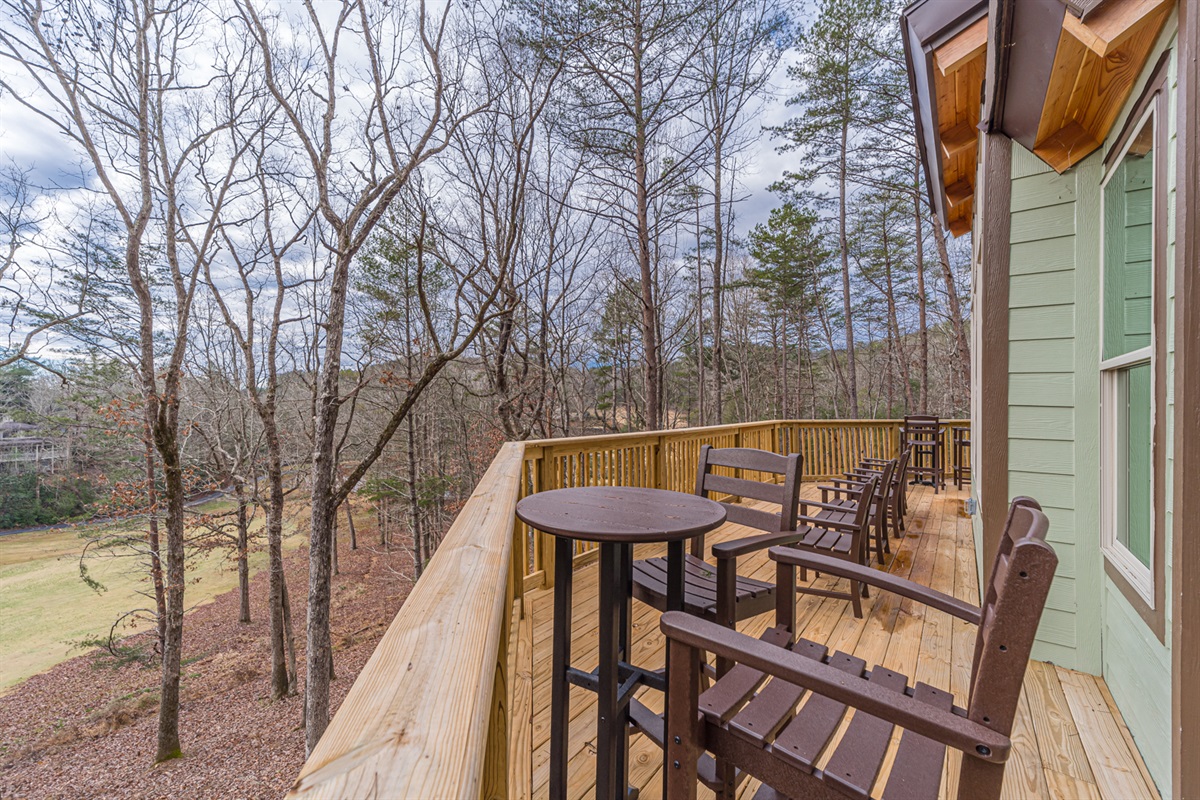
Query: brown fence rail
437, 711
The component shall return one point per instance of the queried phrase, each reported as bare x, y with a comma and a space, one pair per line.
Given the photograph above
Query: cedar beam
1112, 24
1066, 147
958, 139
963, 48
959, 192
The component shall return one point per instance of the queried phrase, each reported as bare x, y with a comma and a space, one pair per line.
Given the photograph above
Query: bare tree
361, 154
742, 45
108, 76
631, 89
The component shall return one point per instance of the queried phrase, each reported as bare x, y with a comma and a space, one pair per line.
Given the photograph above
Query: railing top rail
636, 435
599, 438
415, 723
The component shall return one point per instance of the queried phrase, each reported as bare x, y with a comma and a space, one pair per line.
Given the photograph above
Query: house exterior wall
1054, 427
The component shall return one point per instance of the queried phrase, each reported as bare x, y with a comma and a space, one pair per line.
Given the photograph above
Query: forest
334, 254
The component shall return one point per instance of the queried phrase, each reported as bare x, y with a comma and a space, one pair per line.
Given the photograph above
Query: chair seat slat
859, 755
917, 772
801, 742
722, 700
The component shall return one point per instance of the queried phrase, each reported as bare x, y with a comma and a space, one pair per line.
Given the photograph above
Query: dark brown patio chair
874, 466
754, 726
719, 593
843, 493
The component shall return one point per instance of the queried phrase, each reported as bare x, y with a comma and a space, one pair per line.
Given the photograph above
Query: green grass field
45, 607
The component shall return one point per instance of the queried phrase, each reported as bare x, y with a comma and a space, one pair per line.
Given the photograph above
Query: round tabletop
620, 514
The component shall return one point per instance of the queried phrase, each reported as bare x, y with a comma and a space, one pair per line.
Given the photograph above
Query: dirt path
84, 730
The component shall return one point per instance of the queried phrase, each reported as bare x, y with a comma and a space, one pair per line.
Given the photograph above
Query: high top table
617, 518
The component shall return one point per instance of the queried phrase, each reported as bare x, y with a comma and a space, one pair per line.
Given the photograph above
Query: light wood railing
443, 707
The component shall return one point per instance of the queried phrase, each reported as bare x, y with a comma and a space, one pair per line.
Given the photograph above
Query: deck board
1069, 740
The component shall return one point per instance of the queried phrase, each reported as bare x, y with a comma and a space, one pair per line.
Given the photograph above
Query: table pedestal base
615, 679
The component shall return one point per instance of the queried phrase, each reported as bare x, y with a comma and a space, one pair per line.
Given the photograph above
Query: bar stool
961, 437
923, 433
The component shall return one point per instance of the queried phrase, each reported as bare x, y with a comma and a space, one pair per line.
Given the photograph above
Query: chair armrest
901, 709
880, 580
862, 473
830, 506
751, 544
880, 461
839, 491
827, 524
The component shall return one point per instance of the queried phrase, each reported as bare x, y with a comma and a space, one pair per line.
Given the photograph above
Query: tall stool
961, 437
923, 433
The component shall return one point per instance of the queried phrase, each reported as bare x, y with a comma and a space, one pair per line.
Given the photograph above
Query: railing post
660, 462
546, 545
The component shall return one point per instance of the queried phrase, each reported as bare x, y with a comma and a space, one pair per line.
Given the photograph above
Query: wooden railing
442, 708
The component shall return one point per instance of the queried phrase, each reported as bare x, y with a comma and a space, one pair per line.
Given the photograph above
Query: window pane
1134, 462
1128, 245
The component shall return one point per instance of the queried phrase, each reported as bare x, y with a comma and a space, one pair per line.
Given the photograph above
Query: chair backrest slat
747, 458
785, 494
1003, 552
752, 517
740, 487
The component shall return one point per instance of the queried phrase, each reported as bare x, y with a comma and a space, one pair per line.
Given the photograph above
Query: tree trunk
243, 550
168, 716
156, 569
283, 677
844, 246
650, 353
960, 372
333, 549
700, 379
414, 503
350, 525
324, 506
718, 275
290, 637
922, 324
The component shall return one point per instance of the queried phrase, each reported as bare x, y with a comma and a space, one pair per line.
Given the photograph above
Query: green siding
1053, 314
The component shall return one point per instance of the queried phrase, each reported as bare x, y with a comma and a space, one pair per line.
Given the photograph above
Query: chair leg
785, 596
980, 780
854, 599
682, 751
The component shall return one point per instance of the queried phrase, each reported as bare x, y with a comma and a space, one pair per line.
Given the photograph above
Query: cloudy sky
31, 143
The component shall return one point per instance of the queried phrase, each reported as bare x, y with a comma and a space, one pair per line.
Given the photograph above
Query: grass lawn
45, 607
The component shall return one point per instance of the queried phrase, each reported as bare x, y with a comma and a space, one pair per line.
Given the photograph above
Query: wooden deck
1069, 739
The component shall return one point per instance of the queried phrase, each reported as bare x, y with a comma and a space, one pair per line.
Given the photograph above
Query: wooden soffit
945, 48
960, 63
1096, 64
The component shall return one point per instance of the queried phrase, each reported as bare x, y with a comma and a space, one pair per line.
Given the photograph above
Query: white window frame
1139, 576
